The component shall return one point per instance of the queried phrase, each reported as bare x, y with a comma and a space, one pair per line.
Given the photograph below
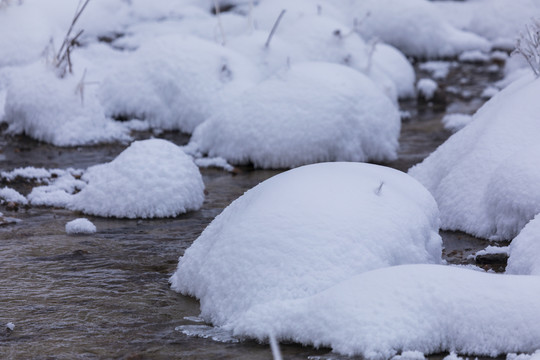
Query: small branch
379, 189
274, 28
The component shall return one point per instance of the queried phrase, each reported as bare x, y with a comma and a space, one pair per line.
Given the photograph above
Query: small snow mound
151, 178
305, 230
474, 56
10, 326
455, 122
80, 226
427, 88
410, 355
11, 195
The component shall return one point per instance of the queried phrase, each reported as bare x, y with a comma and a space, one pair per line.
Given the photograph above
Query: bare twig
274, 28
220, 24
379, 189
528, 45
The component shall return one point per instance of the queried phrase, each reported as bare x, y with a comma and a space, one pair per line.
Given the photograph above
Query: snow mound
11, 195
456, 122
416, 27
524, 250
305, 230
80, 226
427, 88
484, 176
426, 308
176, 82
50, 109
151, 178
312, 112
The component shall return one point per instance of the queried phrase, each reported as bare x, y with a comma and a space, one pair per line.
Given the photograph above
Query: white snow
484, 177
456, 122
524, 250
10, 326
11, 195
312, 112
427, 88
416, 27
438, 69
29, 172
305, 230
425, 308
80, 226
474, 56
151, 178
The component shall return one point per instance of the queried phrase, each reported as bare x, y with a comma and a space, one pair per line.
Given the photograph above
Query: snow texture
305, 230
49, 109
80, 226
312, 112
484, 177
524, 250
176, 82
427, 88
420, 307
403, 24
11, 195
151, 178
456, 122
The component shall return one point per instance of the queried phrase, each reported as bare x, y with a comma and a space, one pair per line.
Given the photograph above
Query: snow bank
524, 250
176, 82
416, 27
484, 177
427, 308
151, 178
53, 110
304, 231
80, 226
312, 112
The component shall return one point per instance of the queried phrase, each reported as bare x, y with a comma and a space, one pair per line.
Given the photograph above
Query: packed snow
151, 178
426, 308
80, 226
304, 231
483, 177
312, 112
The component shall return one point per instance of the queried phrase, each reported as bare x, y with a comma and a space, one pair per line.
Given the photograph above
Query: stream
106, 295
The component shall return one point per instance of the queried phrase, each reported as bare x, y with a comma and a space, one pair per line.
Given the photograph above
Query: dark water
106, 296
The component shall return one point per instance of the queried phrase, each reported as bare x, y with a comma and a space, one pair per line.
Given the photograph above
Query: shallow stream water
106, 296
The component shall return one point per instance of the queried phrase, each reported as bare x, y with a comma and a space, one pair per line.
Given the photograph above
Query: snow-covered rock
416, 27
176, 82
60, 111
305, 230
151, 178
427, 88
524, 250
425, 308
11, 195
312, 112
80, 226
484, 177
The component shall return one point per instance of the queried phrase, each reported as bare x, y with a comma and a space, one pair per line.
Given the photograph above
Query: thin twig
220, 24
274, 28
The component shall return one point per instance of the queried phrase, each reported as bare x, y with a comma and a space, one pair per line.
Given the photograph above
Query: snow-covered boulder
60, 111
416, 27
305, 230
425, 308
81, 226
151, 178
312, 112
176, 82
524, 250
485, 176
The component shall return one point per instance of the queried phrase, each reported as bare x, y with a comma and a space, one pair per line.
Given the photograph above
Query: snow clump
10, 195
427, 88
305, 230
524, 250
312, 112
421, 307
80, 226
484, 177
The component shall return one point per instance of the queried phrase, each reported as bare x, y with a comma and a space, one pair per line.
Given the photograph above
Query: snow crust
483, 177
421, 307
304, 231
80, 226
312, 112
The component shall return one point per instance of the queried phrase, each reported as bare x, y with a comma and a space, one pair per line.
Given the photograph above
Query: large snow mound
416, 27
427, 308
484, 177
524, 250
306, 230
151, 178
176, 82
59, 111
312, 112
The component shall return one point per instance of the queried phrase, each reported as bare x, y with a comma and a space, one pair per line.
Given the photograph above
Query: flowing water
106, 296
